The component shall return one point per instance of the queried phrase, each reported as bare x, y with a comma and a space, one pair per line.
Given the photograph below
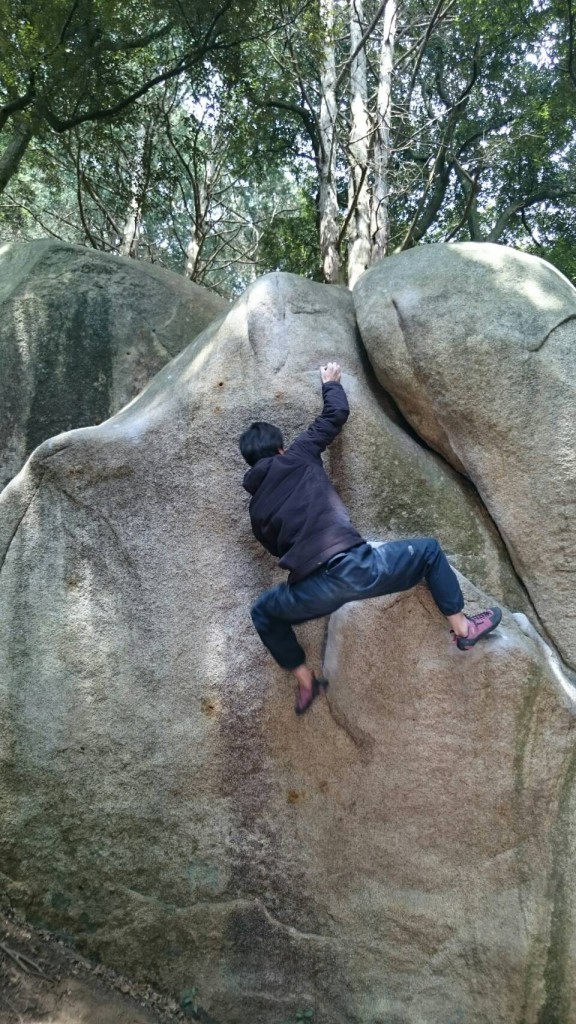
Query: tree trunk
328, 203
469, 191
359, 230
132, 225
130, 231
14, 151
380, 217
202, 189
194, 251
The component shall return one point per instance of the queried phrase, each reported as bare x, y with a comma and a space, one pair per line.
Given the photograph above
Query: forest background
225, 139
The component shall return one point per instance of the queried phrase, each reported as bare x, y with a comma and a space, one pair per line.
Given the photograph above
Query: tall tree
358, 150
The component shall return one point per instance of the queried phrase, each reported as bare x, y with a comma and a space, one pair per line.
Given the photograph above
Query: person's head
259, 441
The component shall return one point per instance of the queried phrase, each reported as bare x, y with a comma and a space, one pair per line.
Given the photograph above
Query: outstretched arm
328, 425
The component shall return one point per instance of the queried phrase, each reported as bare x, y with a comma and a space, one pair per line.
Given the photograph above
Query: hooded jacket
295, 511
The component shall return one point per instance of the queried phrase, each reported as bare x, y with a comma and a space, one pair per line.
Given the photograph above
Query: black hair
259, 441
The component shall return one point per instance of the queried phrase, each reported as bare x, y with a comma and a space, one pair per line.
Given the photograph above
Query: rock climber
298, 516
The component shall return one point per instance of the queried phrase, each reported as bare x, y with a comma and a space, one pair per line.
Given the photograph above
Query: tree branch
427, 211
522, 204
13, 205
66, 24
13, 153
470, 190
352, 206
210, 43
529, 229
475, 71
87, 231
99, 203
60, 126
311, 119
434, 18
365, 35
571, 71
14, 106
136, 43
300, 111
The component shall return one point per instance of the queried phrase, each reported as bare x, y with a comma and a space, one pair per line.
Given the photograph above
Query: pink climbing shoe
319, 686
478, 626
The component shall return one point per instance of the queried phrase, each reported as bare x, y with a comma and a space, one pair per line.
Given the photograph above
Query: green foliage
219, 161
65, 62
289, 240
555, 241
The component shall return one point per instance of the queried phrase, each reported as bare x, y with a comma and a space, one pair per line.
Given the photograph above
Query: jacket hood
255, 475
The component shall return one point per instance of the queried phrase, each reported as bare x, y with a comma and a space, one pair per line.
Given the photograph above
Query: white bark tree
382, 135
359, 247
139, 182
328, 199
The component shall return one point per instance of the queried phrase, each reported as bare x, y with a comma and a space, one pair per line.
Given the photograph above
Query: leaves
215, 169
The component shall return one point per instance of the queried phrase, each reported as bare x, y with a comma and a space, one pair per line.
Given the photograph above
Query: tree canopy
224, 140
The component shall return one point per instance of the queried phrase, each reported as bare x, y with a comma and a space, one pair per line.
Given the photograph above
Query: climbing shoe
478, 626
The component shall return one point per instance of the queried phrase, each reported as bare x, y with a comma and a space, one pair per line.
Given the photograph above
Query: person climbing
298, 516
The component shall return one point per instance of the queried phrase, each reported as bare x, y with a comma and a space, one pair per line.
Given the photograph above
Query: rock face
400, 853
81, 333
477, 344
456, 856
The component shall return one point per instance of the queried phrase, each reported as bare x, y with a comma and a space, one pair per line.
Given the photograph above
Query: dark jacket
295, 511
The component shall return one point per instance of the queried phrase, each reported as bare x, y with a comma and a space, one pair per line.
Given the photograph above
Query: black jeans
363, 571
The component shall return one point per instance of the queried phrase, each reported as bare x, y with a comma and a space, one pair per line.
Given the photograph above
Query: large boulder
477, 344
453, 859
159, 800
81, 333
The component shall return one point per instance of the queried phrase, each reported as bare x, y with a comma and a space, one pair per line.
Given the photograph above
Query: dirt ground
43, 981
